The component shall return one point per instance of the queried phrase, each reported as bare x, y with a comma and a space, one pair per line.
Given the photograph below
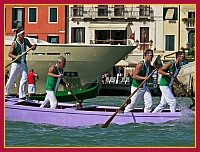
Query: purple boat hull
67, 114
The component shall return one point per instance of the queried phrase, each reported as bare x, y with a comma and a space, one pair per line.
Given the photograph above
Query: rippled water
180, 133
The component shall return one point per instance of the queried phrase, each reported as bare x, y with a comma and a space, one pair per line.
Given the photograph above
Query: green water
179, 133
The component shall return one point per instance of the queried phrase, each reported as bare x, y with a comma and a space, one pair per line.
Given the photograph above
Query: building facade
179, 27
45, 22
111, 24
163, 28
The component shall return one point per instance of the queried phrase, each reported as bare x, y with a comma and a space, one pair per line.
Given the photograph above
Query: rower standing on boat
55, 74
18, 47
141, 71
169, 73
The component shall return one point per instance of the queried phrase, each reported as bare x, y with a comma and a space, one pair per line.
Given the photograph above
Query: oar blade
107, 123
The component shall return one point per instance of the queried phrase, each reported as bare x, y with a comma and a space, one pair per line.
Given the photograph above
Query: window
78, 10
191, 14
53, 14
17, 18
119, 10
78, 35
32, 15
169, 42
118, 37
144, 10
102, 36
191, 38
144, 34
170, 13
144, 38
53, 39
33, 36
191, 42
102, 10
113, 37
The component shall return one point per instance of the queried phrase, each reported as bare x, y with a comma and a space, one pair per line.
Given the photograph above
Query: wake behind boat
67, 115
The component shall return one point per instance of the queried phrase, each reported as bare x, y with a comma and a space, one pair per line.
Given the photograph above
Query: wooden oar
111, 118
76, 98
181, 85
19, 57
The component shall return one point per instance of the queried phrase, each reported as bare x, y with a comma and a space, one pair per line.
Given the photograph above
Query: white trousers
136, 98
50, 99
31, 88
15, 69
166, 98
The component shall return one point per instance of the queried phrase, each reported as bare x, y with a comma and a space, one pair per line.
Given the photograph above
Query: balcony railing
190, 22
112, 12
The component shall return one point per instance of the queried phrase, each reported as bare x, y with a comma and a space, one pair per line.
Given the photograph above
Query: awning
122, 63
134, 59
108, 26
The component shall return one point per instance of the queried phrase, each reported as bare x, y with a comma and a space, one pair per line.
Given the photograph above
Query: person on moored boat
32, 82
169, 73
18, 47
141, 71
55, 74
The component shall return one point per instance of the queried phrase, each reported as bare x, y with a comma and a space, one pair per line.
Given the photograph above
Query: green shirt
166, 79
18, 51
136, 83
52, 81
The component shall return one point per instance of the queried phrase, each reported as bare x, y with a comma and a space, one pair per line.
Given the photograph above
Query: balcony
106, 12
190, 22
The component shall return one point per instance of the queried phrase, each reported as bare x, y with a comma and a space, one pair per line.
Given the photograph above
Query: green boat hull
66, 96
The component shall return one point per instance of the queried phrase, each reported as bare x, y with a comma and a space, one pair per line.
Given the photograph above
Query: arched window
191, 38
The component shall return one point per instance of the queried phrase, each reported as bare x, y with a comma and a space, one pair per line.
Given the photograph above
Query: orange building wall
42, 28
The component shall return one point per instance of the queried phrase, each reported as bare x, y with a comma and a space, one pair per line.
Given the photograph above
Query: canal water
179, 133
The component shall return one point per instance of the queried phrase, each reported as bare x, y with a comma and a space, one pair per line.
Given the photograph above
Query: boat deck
36, 103
68, 114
